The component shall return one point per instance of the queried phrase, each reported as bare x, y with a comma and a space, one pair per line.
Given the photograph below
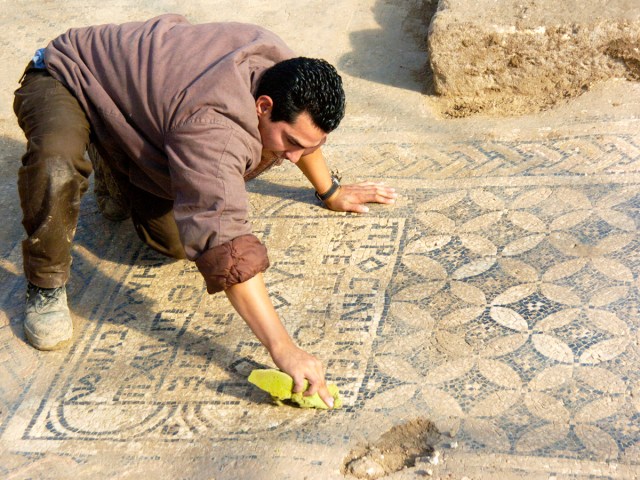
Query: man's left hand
351, 198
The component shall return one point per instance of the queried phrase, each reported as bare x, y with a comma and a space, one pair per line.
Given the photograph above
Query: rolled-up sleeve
207, 160
232, 262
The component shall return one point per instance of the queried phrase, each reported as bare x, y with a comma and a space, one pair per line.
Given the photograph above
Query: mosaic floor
498, 298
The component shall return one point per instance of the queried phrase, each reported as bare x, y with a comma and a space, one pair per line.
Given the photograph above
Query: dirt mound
396, 449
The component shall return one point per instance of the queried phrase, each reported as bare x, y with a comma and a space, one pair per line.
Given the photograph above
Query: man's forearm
252, 302
315, 168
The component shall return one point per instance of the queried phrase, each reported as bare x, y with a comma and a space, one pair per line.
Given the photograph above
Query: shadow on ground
395, 53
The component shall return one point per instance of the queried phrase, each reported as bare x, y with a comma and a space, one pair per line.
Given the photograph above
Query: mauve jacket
177, 100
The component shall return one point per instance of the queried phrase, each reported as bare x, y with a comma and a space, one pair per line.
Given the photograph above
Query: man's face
287, 140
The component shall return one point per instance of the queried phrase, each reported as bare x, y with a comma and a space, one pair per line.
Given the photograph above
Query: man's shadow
100, 240
118, 291
269, 188
396, 53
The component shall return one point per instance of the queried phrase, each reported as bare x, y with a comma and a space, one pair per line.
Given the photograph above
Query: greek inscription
119, 334
102, 356
279, 275
196, 357
364, 284
147, 271
264, 232
87, 386
296, 251
307, 230
151, 357
357, 308
122, 317
348, 348
308, 335
349, 228
343, 364
163, 324
221, 319
183, 293
170, 321
100, 364
382, 250
336, 259
279, 301
343, 245
132, 295
192, 383
132, 393
355, 329
391, 235
323, 312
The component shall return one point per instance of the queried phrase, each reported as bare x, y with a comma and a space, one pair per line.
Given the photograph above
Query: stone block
525, 55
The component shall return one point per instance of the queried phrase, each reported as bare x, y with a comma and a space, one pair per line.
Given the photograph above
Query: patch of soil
629, 53
500, 104
567, 86
396, 449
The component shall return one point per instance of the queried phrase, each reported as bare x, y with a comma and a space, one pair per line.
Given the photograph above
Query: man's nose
293, 156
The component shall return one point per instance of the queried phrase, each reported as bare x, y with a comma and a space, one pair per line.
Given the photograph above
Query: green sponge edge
280, 386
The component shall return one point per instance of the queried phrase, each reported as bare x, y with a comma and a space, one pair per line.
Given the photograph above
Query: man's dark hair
304, 85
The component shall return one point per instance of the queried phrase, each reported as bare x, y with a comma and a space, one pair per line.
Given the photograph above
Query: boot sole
35, 343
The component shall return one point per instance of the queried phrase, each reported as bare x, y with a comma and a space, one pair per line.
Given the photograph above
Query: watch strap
335, 184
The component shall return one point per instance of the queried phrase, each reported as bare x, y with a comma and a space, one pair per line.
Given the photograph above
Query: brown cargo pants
54, 176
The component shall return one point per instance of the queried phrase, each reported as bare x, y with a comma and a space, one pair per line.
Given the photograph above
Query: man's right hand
302, 366
251, 301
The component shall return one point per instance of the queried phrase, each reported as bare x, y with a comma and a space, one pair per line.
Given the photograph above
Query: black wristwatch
335, 185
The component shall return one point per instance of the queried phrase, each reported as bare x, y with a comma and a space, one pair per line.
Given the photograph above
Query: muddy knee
50, 188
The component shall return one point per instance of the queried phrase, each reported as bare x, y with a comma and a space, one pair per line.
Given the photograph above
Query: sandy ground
486, 326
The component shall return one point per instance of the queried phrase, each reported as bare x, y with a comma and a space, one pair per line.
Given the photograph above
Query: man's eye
307, 151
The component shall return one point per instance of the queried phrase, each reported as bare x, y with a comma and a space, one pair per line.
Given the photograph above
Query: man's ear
264, 104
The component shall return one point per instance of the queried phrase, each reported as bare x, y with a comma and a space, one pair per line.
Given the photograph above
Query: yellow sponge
280, 386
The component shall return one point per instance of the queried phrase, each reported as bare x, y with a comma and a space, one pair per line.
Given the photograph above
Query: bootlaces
44, 297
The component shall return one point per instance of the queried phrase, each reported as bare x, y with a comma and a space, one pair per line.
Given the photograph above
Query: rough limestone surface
511, 56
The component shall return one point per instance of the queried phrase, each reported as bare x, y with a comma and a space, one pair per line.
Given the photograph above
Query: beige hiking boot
111, 202
47, 323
